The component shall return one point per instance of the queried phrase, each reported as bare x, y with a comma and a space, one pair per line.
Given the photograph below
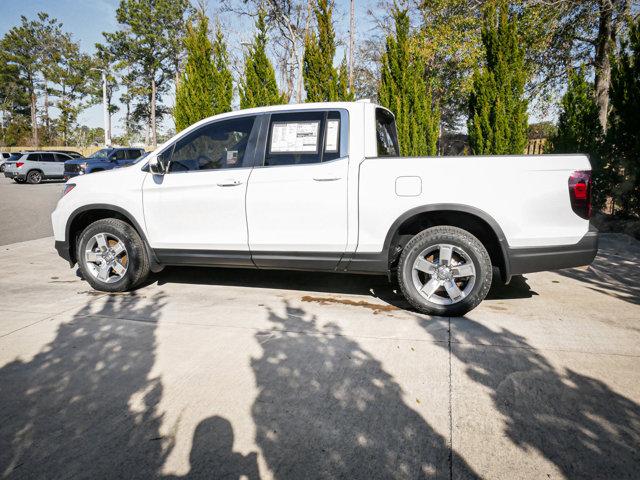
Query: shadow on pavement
327, 409
616, 269
578, 423
85, 406
376, 286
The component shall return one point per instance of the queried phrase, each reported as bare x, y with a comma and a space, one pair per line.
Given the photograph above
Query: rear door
297, 195
50, 166
196, 211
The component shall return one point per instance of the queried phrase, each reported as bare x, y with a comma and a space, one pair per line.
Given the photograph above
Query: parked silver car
33, 167
4, 156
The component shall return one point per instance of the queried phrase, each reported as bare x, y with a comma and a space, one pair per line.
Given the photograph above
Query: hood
78, 161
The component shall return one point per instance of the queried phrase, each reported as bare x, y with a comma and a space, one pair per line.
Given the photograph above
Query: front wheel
111, 256
444, 271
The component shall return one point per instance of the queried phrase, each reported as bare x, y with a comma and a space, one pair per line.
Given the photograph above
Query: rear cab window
386, 134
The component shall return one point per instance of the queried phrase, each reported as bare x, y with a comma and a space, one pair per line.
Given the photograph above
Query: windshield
104, 153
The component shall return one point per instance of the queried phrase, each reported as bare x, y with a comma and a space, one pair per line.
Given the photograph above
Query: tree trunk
604, 44
46, 111
154, 142
34, 120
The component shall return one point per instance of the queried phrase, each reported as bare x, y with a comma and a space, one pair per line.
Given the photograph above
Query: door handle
326, 179
229, 183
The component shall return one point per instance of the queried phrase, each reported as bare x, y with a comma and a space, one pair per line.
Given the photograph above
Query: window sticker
232, 157
333, 127
295, 137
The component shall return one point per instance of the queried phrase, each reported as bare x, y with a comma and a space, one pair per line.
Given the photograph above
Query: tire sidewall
134, 260
461, 239
30, 177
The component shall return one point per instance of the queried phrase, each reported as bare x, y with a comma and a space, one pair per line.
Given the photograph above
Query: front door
297, 198
196, 211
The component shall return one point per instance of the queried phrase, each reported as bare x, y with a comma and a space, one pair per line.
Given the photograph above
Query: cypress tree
195, 90
403, 90
497, 110
222, 78
579, 130
259, 87
623, 134
322, 81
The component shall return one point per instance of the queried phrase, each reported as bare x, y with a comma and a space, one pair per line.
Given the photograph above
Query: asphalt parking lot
213, 373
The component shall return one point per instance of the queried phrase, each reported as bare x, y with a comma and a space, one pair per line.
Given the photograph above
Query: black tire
137, 262
467, 244
2, 167
34, 177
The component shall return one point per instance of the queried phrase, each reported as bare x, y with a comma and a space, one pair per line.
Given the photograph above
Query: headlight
83, 167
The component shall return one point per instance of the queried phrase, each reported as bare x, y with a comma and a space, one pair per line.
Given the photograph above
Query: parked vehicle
34, 167
322, 187
4, 156
105, 159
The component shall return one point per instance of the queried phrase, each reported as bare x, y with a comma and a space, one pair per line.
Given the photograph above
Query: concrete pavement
229, 373
25, 209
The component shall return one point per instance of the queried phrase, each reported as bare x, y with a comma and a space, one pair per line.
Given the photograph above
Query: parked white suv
34, 167
322, 187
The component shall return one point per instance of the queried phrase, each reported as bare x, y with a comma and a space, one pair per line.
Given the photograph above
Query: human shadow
326, 408
212, 454
576, 422
616, 269
85, 406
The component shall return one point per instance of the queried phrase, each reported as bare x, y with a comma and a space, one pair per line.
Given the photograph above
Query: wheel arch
87, 214
472, 219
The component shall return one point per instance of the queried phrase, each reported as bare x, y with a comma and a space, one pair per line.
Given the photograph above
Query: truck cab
104, 159
322, 187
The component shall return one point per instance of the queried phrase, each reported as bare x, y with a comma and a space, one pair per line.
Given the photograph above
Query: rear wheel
2, 167
444, 271
34, 176
111, 256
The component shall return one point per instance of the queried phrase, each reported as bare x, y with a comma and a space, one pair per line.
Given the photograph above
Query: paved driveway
224, 373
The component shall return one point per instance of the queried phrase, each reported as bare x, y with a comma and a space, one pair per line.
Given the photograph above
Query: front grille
72, 167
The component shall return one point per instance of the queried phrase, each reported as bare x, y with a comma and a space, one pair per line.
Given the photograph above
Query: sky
87, 19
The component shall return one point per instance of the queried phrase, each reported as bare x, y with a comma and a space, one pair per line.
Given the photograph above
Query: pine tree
497, 110
195, 91
259, 87
403, 90
322, 81
222, 78
623, 135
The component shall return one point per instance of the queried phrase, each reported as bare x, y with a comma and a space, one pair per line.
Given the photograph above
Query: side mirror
158, 165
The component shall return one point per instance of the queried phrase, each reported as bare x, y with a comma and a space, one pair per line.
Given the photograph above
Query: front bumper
538, 259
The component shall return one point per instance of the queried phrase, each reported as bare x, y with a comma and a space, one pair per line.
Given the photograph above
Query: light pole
105, 108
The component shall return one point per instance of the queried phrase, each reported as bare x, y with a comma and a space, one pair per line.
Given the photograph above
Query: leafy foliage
623, 136
322, 81
259, 87
404, 91
497, 110
222, 79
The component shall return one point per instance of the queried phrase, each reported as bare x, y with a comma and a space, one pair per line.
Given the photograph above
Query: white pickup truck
322, 187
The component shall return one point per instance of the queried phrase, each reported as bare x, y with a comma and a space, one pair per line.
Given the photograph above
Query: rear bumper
538, 259
14, 175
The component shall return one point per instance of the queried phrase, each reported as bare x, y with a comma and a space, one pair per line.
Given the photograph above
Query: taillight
19, 164
580, 186
67, 188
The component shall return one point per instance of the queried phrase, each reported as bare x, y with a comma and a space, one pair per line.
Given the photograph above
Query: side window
61, 157
120, 155
386, 134
294, 138
213, 146
33, 157
47, 157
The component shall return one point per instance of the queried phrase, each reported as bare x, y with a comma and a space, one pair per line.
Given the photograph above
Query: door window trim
343, 134
250, 152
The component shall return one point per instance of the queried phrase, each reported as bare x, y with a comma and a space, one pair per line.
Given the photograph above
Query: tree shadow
577, 422
85, 406
616, 269
326, 408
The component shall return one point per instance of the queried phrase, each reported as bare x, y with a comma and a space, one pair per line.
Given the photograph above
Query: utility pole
352, 38
105, 108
